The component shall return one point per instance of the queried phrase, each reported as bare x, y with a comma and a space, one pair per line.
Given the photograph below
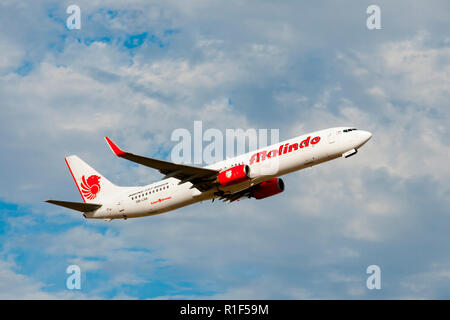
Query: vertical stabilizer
93, 187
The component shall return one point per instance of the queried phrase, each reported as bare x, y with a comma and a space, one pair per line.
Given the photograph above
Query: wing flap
246, 193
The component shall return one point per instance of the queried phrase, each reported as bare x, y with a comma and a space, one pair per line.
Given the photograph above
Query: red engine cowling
268, 188
233, 175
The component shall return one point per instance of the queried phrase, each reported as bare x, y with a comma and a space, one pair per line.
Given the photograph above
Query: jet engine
268, 188
234, 175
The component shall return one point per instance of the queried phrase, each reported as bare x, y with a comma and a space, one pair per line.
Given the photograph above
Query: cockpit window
348, 130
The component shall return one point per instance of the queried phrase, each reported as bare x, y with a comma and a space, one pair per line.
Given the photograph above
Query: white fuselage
264, 163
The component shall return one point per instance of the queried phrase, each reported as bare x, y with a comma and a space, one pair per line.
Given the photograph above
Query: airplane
252, 175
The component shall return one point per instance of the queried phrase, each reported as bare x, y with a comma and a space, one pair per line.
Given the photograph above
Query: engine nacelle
268, 188
234, 175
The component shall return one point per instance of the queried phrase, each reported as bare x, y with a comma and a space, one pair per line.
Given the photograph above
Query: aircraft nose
364, 136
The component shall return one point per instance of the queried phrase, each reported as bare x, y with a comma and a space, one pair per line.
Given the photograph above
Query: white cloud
11, 56
328, 217
14, 285
17, 286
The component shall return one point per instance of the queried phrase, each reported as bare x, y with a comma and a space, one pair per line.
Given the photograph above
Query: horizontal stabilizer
78, 206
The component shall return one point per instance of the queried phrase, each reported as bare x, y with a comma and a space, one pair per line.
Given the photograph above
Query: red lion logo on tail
90, 187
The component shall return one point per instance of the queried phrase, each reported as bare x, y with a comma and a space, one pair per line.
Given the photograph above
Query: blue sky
137, 71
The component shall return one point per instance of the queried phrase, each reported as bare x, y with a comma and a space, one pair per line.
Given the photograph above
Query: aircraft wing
201, 178
246, 193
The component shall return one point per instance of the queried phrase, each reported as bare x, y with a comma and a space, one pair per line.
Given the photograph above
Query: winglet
115, 148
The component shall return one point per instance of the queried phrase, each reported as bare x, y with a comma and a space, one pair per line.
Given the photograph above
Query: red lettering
280, 149
272, 153
315, 140
305, 142
295, 146
283, 149
258, 156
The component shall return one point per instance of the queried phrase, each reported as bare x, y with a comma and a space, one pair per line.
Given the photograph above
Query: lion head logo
90, 187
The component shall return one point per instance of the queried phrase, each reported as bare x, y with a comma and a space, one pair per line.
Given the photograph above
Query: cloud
294, 67
17, 286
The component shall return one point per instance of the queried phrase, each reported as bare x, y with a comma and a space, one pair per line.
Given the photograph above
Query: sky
138, 70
